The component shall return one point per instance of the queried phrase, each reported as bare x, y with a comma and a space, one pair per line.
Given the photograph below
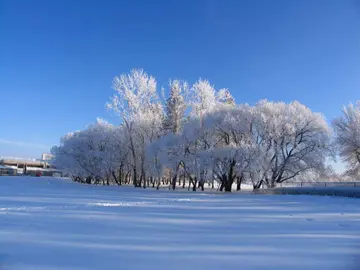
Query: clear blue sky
58, 58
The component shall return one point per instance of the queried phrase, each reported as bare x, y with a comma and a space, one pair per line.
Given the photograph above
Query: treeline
200, 135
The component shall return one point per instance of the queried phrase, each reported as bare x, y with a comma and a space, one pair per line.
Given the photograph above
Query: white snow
48, 223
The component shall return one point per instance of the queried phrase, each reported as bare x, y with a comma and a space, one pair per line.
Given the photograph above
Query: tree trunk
174, 179
201, 185
144, 178
228, 186
115, 177
173, 183
127, 178
158, 184
238, 183
88, 180
221, 186
194, 185
224, 182
120, 176
230, 177
258, 185
238, 186
135, 178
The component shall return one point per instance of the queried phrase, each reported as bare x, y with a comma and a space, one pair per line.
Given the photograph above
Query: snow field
319, 191
48, 223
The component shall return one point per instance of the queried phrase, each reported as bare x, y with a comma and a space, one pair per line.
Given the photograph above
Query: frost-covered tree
291, 139
203, 98
347, 137
175, 107
195, 140
137, 103
225, 98
206, 99
118, 154
265, 144
212, 147
229, 130
97, 154
84, 154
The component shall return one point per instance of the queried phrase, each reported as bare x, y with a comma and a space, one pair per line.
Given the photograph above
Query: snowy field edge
49, 223
351, 192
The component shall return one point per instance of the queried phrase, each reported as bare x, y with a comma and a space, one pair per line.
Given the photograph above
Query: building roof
22, 161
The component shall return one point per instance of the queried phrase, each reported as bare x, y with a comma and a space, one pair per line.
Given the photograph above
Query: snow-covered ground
321, 191
56, 224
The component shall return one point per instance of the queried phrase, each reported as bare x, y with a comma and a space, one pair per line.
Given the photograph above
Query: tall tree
137, 103
347, 139
175, 115
206, 99
203, 97
175, 107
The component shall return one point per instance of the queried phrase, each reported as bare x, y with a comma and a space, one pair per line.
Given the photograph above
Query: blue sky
58, 58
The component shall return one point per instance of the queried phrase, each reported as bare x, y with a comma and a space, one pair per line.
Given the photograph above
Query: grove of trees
200, 135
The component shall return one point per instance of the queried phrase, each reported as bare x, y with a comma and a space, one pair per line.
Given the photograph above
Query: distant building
7, 170
40, 167
47, 157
